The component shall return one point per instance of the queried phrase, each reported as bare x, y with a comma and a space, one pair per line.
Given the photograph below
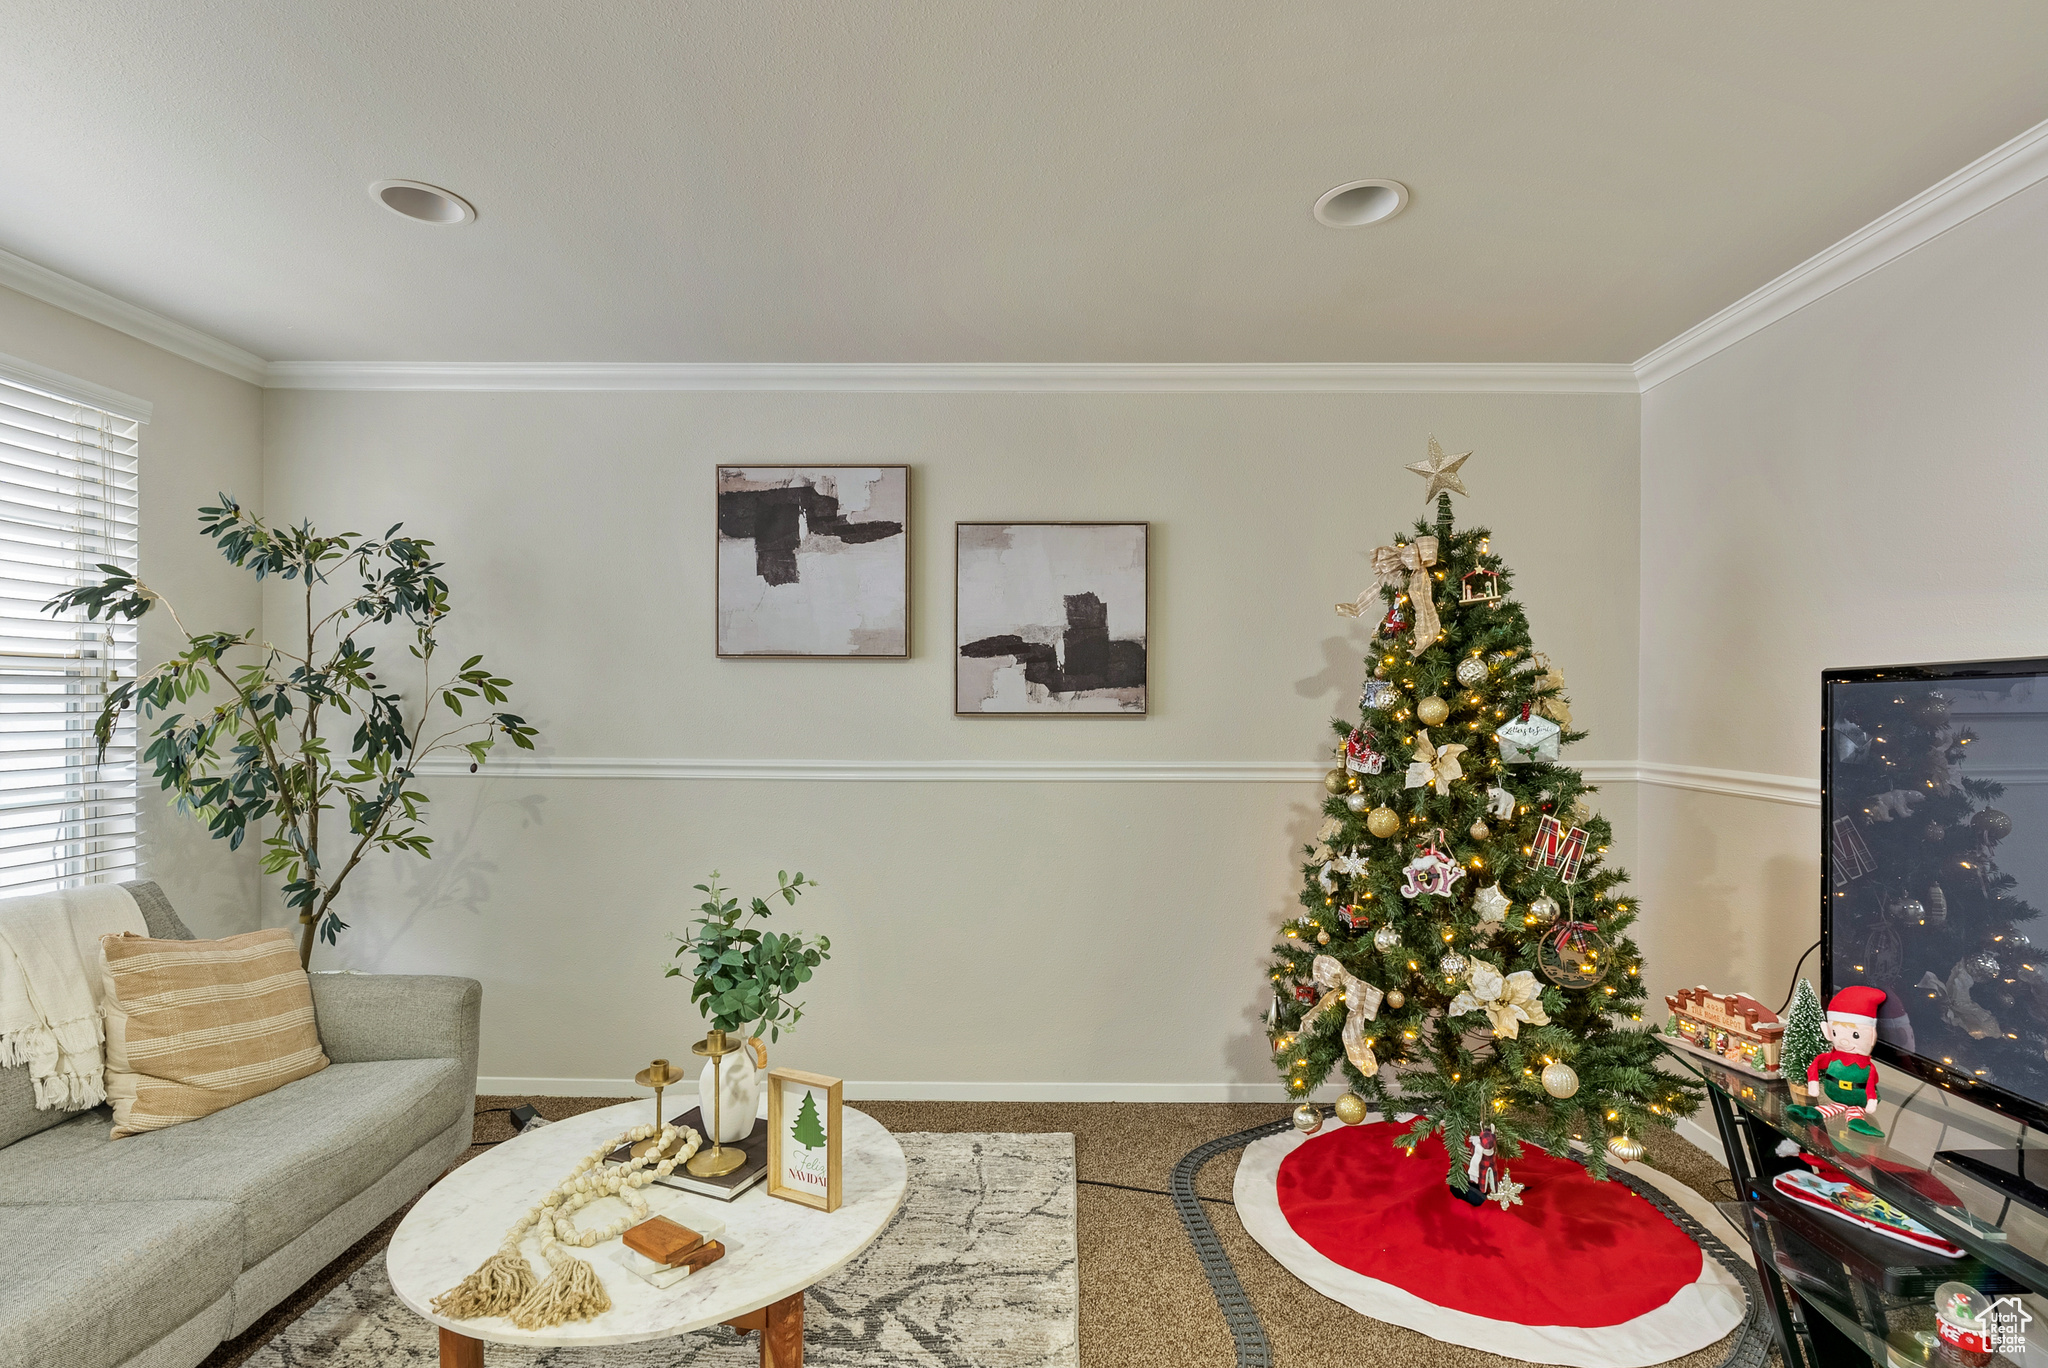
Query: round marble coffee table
774, 1249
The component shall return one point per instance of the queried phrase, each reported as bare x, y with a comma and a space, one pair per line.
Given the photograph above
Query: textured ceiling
795, 180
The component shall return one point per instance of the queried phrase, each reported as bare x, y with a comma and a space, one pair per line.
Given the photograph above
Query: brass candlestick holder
718, 1160
657, 1076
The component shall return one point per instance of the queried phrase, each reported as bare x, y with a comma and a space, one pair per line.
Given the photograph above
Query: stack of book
726, 1186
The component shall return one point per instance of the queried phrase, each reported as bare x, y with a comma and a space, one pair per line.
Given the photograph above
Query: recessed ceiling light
423, 202
1359, 202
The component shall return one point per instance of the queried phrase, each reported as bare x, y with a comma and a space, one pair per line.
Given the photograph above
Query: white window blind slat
69, 494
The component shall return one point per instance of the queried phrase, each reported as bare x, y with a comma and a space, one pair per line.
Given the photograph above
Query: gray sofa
151, 1250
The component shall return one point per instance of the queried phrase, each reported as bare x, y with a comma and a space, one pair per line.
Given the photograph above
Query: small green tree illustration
807, 1132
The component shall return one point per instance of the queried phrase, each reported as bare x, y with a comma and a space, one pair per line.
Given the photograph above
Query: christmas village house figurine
1731, 1028
1844, 1080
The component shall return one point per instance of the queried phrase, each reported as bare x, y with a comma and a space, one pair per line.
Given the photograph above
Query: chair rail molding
1775, 788
1768, 788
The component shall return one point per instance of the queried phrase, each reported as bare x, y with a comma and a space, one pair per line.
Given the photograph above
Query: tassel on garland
503, 1282
572, 1292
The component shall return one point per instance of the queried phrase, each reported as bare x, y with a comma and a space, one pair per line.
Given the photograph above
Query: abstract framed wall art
1050, 619
814, 561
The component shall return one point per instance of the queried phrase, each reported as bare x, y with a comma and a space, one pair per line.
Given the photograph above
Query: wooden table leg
460, 1351
782, 1341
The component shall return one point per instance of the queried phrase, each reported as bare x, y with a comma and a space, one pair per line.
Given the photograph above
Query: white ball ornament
1471, 671
1358, 802
1559, 1079
1308, 1118
1386, 940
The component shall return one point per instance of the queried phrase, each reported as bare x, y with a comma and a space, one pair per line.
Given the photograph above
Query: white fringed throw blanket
50, 988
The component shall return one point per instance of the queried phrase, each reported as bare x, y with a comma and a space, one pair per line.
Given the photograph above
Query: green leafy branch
261, 751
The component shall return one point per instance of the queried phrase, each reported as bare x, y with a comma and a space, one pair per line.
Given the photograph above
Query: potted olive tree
264, 745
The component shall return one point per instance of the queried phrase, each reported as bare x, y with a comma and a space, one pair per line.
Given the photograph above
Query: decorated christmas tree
1464, 953
1921, 906
1803, 1041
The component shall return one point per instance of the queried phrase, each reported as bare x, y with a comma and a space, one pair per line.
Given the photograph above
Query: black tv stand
2006, 1170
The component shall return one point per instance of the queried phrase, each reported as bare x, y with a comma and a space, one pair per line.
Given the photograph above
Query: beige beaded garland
505, 1285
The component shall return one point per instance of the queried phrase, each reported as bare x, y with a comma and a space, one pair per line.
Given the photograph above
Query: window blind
68, 501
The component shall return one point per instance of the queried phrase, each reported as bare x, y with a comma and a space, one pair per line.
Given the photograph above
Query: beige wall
1031, 938
203, 437
1860, 483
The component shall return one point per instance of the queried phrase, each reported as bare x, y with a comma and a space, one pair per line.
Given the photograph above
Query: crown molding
932, 771
71, 389
40, 282
1996, 176
961, 377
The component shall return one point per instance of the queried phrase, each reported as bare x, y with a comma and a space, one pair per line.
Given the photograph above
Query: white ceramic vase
739, 1082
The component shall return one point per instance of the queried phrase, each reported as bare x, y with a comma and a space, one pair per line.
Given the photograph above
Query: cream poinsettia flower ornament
1433, 764
1507, 999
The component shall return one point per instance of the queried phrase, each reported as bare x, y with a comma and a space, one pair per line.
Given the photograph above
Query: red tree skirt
1583, 1272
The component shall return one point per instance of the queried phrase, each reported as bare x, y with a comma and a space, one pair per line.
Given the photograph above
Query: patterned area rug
978, 1270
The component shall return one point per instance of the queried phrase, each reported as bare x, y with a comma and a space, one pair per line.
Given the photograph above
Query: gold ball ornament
1471, 671
1480, 831
1626, 1148
1336, 781
1560, 1079
1383, 822
1396, 999
1308, 1118
1432, 710
1992, 824
1351, 1109
1543, 910
1379, 671
1322, 938
1357, 800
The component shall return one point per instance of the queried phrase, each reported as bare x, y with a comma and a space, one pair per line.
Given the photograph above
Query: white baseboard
885, 1091
1703, 1140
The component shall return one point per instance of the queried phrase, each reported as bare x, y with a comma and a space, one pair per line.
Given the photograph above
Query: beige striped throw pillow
194, 1027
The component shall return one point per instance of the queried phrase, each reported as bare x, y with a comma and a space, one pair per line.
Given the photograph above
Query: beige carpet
1143, 1297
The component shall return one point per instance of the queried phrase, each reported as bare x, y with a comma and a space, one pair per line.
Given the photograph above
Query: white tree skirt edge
1700, 1314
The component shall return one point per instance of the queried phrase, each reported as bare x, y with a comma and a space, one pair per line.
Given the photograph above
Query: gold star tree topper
1441, 471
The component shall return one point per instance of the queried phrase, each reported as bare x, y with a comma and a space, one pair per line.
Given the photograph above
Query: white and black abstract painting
1049, 618
814, 561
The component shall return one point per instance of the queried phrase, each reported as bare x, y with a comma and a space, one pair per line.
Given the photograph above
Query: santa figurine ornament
1844, 1080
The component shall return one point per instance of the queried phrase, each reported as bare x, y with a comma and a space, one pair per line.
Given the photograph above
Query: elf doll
1844, 1080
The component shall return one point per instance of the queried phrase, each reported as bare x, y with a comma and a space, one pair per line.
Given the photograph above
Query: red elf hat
1860, 1003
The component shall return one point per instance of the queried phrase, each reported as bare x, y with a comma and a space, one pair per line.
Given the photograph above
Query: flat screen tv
1934, 863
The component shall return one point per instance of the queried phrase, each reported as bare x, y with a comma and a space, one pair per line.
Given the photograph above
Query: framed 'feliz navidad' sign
803, 1138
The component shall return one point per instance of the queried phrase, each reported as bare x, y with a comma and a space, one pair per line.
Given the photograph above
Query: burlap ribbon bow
1407, 568
1362, 1003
